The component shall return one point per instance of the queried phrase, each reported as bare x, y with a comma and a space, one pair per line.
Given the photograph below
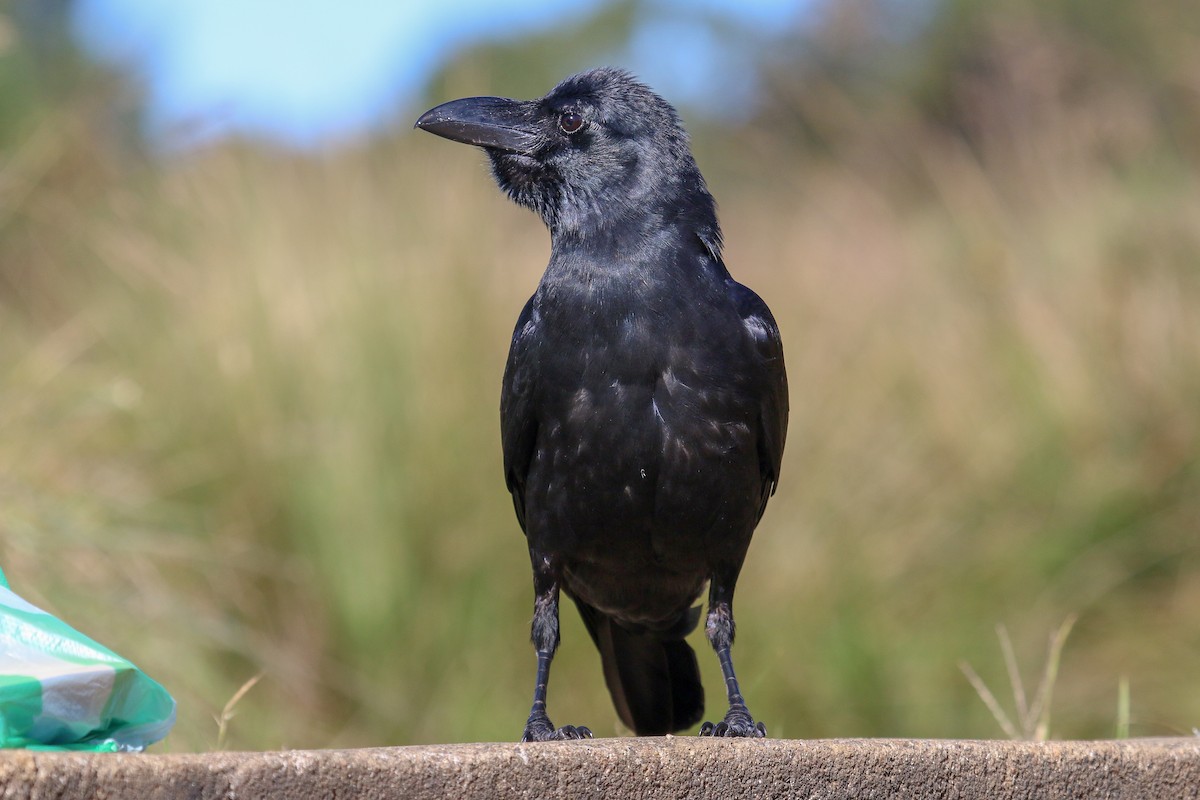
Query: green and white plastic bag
59, 690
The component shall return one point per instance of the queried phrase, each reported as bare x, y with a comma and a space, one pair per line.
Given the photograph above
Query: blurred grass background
248, 399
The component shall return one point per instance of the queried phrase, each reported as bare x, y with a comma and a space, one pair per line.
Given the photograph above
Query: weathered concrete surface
672, 767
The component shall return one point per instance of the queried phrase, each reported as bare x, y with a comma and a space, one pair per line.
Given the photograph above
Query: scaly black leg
720, 629
539, 728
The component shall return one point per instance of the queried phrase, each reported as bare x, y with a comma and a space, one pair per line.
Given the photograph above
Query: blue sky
306, 73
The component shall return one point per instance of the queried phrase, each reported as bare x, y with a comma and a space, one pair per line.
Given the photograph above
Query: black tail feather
652, 676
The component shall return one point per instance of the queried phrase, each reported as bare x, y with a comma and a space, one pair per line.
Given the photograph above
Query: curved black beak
494, 122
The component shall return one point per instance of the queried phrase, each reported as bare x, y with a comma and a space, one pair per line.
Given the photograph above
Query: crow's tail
653, 676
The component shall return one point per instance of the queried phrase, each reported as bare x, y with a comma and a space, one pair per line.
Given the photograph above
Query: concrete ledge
672, 767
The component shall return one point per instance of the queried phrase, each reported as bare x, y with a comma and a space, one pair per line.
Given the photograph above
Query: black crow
644, 404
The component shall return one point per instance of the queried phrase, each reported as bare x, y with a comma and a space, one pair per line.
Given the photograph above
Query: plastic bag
59, 690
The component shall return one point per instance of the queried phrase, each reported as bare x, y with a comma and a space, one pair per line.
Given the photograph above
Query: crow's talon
737, 724
543, 730
573, 732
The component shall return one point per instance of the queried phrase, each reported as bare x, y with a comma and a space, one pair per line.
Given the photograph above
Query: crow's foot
737, 723
541, 729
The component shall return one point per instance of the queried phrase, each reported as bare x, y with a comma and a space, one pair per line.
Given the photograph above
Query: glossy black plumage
644, 403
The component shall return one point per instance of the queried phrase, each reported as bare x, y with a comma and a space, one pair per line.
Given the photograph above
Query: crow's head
599, 153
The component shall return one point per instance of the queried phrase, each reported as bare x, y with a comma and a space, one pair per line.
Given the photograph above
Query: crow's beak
494, 122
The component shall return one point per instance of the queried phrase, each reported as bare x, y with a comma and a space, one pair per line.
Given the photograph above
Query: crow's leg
720, 629
539, 728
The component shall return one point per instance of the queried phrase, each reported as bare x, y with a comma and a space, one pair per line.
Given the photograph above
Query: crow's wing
518, 424
760, 327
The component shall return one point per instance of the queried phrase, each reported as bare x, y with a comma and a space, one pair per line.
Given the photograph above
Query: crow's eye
570, 122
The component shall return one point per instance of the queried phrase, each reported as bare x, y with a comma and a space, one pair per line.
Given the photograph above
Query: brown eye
570, 122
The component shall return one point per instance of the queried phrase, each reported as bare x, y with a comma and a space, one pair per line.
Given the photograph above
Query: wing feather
518, 424
763, 332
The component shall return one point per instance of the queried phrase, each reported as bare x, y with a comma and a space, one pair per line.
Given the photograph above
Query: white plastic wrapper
60, 690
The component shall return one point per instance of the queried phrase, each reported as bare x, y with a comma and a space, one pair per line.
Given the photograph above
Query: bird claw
737, 724
543, 730
573, 732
